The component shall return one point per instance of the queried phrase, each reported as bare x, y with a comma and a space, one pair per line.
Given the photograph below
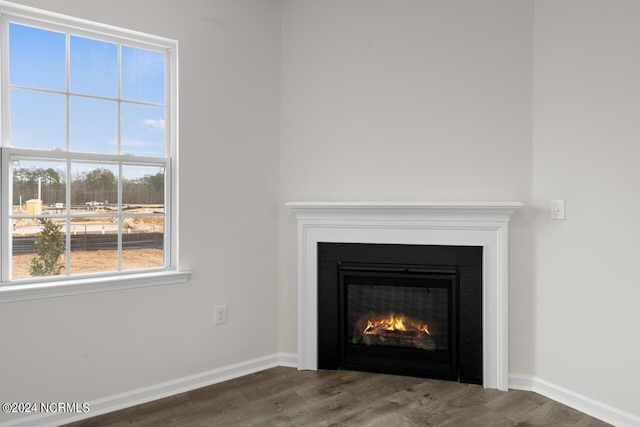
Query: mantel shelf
476, 211
423, 205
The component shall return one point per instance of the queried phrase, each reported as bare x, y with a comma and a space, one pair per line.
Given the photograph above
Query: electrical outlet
221, 314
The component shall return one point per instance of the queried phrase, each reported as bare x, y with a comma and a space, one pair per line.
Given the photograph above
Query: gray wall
586, 133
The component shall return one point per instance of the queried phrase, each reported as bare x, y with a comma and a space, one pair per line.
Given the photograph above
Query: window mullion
120, 217
4, 83
68, 148
67, 62
68, 216
119, 97
119, 151
6, 204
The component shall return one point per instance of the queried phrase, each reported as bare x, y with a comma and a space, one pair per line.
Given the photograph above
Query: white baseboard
582, 403
521, 382
289, 360
116, 402
158, 391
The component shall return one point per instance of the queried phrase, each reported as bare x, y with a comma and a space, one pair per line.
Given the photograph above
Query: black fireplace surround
438, 290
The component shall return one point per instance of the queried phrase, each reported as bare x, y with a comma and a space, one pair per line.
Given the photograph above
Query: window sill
83, 286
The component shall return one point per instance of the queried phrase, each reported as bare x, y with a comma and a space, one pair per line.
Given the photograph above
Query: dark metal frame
434, 259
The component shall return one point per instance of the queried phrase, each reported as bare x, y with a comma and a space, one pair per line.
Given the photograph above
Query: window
89, 156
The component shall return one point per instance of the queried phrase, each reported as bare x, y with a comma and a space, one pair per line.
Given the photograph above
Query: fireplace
397, 319
401, 309
482, 224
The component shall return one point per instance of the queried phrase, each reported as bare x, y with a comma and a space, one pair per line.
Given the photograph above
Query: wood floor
288, 397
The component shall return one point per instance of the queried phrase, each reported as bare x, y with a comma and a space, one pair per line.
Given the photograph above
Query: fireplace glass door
398, 319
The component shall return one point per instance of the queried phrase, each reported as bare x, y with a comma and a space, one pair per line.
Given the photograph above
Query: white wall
586, 150
408, 100
79, 348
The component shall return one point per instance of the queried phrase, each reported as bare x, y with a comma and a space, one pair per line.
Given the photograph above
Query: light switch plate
558, 210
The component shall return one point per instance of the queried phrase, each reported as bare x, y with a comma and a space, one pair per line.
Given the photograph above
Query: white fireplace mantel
423, 223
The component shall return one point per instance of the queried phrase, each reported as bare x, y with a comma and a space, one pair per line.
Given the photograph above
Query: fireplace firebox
398, 319
402, 309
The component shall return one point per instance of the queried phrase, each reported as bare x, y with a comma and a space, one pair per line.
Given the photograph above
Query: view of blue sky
37, 60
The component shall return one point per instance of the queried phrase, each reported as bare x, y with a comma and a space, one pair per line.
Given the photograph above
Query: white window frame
69, 285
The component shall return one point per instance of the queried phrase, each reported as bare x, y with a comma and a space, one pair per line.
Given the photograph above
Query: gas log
391, 329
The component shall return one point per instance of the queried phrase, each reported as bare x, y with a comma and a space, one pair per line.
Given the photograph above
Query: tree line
99, 185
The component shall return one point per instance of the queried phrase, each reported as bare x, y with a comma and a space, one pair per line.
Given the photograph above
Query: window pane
143, 229
38, 187
143, 132
142, 242
93, 125
143, 75
36, 57
38, 247
143, 185
94, 68
94, 188
94, 245
38, 120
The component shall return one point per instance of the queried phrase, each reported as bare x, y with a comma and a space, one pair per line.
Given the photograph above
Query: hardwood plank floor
288, 397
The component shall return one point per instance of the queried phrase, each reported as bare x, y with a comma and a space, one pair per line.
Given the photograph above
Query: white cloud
155, 124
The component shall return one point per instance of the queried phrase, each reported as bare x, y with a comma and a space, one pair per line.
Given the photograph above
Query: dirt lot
102, 260
91, 261
28, 226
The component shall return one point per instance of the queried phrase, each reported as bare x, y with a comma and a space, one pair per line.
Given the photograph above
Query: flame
395, 322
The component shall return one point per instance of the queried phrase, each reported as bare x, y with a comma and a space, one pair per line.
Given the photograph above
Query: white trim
134, 38
11, 293
577, 401
520, 382
289, 360
465, 211
423, 223
157, 391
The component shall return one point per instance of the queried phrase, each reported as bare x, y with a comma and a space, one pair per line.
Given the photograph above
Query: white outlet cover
220, 313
